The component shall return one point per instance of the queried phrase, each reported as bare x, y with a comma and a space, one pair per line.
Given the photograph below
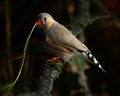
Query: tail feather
90, 58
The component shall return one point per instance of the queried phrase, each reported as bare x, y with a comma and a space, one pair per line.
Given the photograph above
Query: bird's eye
45, 18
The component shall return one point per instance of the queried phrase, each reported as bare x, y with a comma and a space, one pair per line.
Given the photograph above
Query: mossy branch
49, 73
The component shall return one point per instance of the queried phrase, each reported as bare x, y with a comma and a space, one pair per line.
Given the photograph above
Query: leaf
6, 87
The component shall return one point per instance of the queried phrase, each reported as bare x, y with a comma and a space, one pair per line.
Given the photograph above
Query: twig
108, 12
24, 54
8, 38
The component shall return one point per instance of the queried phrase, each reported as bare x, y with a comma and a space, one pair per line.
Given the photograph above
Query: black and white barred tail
90, 58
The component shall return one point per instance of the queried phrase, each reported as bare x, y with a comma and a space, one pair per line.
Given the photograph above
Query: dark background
102, 37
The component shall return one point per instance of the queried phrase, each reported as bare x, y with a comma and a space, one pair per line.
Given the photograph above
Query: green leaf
6, 87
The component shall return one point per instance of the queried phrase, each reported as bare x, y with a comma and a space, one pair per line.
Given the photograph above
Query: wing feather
61, 35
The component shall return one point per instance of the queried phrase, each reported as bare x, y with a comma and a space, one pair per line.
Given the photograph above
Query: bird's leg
57, 59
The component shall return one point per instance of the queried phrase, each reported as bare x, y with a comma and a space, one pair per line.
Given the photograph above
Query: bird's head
45, 20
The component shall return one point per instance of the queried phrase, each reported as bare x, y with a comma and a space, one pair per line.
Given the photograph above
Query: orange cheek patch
49, 22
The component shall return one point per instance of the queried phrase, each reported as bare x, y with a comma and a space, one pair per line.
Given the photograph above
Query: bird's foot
57, 59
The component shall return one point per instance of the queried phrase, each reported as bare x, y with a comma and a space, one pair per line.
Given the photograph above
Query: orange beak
38, 22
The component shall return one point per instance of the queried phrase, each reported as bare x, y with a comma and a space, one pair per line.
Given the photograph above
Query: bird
60, 42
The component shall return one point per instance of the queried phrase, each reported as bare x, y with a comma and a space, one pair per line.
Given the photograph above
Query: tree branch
50, 72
